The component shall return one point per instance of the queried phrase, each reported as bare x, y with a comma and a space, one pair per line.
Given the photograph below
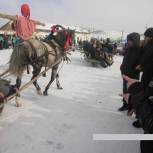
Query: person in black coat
143, 105
143, 92
129, 63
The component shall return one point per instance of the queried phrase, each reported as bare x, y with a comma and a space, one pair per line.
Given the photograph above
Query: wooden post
14, 17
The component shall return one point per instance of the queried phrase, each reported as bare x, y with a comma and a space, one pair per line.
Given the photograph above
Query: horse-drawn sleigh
97, 54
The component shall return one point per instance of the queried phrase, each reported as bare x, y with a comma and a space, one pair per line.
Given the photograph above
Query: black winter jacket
131, 57
147, 64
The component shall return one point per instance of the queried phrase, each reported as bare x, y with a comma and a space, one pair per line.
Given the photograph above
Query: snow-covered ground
65, 121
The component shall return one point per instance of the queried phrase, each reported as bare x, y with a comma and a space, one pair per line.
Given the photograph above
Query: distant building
7, 29
113, 35
99, 34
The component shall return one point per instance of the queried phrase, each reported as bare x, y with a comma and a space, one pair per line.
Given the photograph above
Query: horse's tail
16, 63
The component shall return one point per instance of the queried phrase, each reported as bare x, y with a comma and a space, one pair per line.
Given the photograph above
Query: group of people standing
137, 74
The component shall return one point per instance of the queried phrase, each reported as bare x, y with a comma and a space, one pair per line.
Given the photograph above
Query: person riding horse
23, 25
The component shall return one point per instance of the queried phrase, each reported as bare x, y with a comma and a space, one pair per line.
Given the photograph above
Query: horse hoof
60, 88
44, 75
18, 104
39, 92
45, 93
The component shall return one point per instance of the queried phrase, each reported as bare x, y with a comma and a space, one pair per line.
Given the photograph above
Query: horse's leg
58, 83
17, 99
53, 75
36, 71
28, 71
18, 84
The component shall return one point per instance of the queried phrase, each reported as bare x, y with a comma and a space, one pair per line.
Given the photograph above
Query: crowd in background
7, 41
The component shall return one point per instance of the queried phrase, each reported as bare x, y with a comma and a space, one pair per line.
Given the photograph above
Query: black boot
136, 124
124, 107
146, 146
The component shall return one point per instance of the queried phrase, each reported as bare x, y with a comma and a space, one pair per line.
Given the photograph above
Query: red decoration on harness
68, 38
53, 29
68, 43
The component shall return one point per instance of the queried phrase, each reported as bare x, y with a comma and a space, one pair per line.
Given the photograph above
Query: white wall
83, 36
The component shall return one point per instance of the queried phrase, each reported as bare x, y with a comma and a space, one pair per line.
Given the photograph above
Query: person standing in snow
129, 63
146, 66
143, 92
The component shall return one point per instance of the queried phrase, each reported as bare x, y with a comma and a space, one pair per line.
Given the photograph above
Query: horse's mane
61, 38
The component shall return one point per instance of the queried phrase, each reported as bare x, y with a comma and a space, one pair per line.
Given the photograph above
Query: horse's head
64, 37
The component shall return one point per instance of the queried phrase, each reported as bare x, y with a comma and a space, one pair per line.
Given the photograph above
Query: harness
35, 60
38, 61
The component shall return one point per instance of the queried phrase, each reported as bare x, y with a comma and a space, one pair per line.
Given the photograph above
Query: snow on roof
46, 27
110, 34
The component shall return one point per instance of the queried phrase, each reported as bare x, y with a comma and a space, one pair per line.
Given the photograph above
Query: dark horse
40, 54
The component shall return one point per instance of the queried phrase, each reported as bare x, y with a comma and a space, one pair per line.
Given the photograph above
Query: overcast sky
118, 15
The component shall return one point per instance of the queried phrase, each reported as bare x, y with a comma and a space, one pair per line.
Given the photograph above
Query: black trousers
125, 87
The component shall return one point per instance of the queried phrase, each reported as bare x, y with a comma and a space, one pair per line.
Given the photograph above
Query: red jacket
25, 27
